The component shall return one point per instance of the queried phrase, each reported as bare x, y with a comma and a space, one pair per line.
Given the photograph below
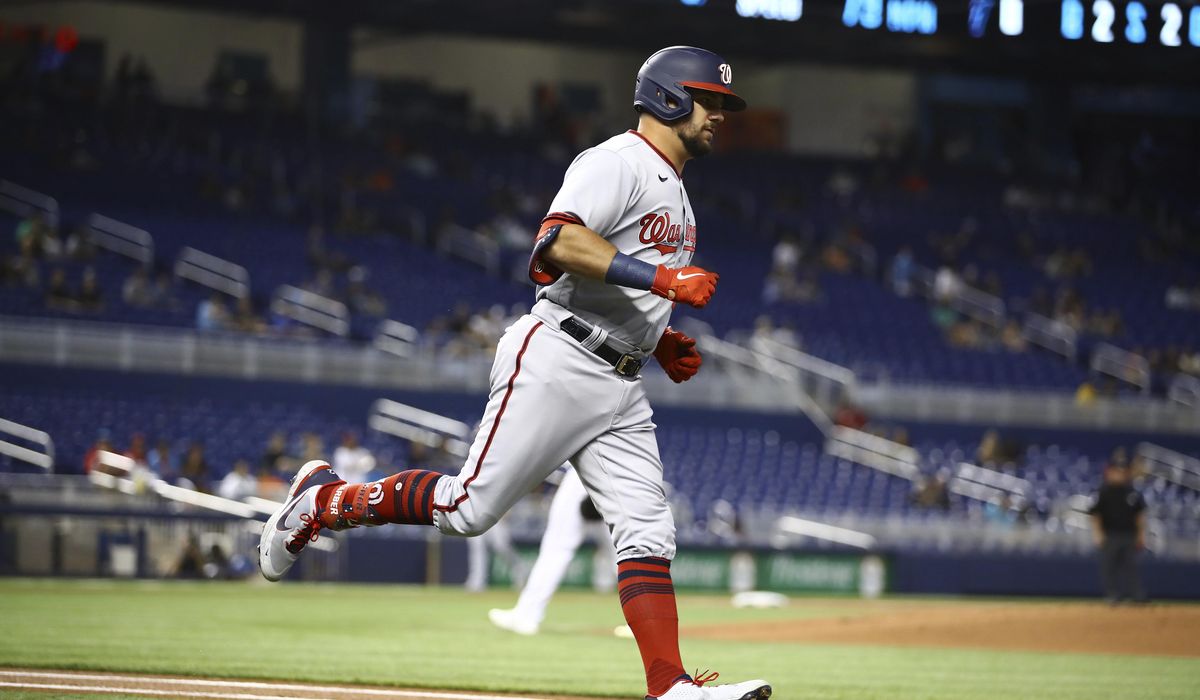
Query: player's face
699, 129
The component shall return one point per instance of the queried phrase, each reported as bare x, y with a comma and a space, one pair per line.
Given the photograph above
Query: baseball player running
611, 259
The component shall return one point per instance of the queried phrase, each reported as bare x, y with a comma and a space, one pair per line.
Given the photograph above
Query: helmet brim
731, 102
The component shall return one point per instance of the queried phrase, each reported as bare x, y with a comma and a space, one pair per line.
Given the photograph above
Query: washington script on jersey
660, 231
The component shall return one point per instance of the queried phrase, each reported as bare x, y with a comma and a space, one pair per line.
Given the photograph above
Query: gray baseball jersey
552, 398
628, 192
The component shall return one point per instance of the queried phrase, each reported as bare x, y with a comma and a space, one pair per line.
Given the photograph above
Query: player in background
571, 517
611, 259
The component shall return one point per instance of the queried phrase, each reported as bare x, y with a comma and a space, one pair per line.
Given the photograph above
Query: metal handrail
744, 357
1055, 336
20, 200
132, 480
311, 309
397, 338
419, 425
982, 484
1127, 366
121, 238
873, 451
472, 246
43, 460
213, 272
1185, 389
980, 305
1169, 464
805, 362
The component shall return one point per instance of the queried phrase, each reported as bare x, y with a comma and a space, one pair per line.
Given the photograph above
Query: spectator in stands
212, 314
244, 319
322, 283
311, 447
90, 299
163, 462
162, 294
1086, 394
33, 231
361, 298
902, 272
1012, 338
931, 492
58, 294
850, 416
999, 511
271, 485
792, 286
79, 244
1119, 531
966, 333
946, 284
352, 458
194, 472
1106, 323
994, 450
238, 483
91, 459
436, 458
766, 335
786, 254
137, 451
449, 330
136, 289
275, 459
1180, 298
23, 267
191, 559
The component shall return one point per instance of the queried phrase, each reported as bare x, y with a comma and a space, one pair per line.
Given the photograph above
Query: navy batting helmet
662, 82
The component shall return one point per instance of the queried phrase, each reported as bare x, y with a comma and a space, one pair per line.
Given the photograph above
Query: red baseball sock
648, 601
405, 498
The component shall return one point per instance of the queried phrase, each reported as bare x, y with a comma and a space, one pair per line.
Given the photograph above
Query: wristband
626, 271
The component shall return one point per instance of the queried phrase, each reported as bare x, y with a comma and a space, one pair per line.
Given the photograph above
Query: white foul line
140, 691
342, 690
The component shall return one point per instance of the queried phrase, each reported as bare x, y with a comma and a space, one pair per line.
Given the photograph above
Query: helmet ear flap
668, 103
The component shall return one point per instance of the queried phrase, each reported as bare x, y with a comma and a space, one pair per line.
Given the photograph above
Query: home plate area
135, 685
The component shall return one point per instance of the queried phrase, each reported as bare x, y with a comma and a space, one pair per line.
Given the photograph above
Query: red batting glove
678, 356
688, 285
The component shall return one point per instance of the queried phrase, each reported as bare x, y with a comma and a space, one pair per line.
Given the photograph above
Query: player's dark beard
694, 142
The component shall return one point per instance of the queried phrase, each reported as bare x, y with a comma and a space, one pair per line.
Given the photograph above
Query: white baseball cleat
296, 522
696, 690
511, 621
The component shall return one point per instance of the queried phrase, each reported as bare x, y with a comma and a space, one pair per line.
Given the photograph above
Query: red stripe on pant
648, 601
495, 426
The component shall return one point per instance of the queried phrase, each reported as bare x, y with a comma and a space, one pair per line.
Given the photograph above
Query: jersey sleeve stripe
561, 217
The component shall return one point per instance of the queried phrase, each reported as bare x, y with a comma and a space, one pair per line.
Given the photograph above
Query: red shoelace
307, 533
706, 677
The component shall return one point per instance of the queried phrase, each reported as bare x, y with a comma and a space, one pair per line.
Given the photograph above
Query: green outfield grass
440, 638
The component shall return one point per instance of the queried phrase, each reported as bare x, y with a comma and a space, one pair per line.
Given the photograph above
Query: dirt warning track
70, 682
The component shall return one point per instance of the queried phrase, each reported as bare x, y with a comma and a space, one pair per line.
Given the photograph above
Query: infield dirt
1161, 630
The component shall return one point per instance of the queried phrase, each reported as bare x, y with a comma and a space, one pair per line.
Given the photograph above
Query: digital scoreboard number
1134, 22
1174, 23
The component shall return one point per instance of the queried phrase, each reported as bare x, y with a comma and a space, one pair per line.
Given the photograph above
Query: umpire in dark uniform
1119, 528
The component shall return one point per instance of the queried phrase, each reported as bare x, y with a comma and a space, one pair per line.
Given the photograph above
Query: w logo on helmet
726, 73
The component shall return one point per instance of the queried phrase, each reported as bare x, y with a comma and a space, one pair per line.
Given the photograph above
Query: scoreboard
1170, 24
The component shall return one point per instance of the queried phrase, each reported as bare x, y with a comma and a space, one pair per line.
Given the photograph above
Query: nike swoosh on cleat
280, 524
662, 178
682, 276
